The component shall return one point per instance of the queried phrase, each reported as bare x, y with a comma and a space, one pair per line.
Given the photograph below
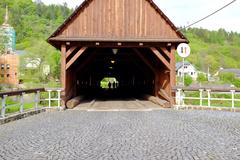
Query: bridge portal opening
111, 73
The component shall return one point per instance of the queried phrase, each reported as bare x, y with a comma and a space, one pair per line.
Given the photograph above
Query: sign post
183, 51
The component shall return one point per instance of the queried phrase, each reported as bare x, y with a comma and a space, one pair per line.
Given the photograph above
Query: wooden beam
63, 66
69, 52
173, 67
145, 60
162, 93
160, 57
166, 52
75, 57
87, 61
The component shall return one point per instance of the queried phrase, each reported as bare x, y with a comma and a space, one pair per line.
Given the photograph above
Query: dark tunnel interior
109, 73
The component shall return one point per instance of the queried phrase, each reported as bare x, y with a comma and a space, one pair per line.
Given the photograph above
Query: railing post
59, 98
209, 97
3, 106
178, 98
49, 98
21, 103
233, 98
37, 99
201, 97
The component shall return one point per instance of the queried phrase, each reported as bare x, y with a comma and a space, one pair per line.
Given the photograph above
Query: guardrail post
178, 98
3, 106
49, 98
21, 103
209, 97
233, 99
37, 99
59, 98
201, 97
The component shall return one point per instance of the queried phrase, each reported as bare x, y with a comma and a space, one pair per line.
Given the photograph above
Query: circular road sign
183, 50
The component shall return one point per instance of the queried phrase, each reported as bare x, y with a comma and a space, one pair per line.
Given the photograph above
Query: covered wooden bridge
131, 40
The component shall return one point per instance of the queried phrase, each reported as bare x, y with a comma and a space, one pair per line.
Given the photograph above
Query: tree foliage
213, 49
230, 78
202, 78
188, 80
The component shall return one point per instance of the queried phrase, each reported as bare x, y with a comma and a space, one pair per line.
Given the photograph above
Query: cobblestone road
164, 134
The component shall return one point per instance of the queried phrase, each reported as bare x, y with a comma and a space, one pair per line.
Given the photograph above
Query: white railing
206, 95
37, 102
50, 98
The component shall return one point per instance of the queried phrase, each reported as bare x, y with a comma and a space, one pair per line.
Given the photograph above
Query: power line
208, 15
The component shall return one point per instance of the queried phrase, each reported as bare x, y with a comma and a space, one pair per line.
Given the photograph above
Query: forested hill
34, 22
214, 48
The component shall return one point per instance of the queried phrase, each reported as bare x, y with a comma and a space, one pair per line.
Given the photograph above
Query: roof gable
179, 65
119, 19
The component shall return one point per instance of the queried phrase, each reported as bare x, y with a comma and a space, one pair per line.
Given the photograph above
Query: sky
184, 12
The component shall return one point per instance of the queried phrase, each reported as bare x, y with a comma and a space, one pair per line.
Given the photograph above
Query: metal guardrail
37, 99
181, 97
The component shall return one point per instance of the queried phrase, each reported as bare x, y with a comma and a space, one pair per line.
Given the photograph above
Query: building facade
187, 69
9, 69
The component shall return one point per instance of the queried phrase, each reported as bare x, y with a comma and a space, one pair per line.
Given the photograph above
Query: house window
8, 75
2, 66
8, 66
2, 75
191, 73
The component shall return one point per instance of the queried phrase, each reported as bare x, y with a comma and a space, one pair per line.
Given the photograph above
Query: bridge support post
63, 73
21, 103
3, 106
59, 98
233, 99
49, 98
201, 97
37, 99
178, 98
209, 97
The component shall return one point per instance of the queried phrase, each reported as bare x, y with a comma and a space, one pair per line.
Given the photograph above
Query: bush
236, 82
188, 80
202, 78
227, 77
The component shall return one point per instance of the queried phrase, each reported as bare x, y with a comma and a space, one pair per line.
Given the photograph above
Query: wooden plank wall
119, 19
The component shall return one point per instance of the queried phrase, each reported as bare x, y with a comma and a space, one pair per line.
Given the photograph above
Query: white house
187, 69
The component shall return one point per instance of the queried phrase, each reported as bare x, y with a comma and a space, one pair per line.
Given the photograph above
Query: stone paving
163, 134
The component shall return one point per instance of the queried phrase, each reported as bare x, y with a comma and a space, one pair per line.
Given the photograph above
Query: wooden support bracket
87, 61
145, 60
167, 53
75, 57
69, 52
162, 93
161, 58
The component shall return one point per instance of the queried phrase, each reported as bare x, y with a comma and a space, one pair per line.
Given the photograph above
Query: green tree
202, 78
188, 80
